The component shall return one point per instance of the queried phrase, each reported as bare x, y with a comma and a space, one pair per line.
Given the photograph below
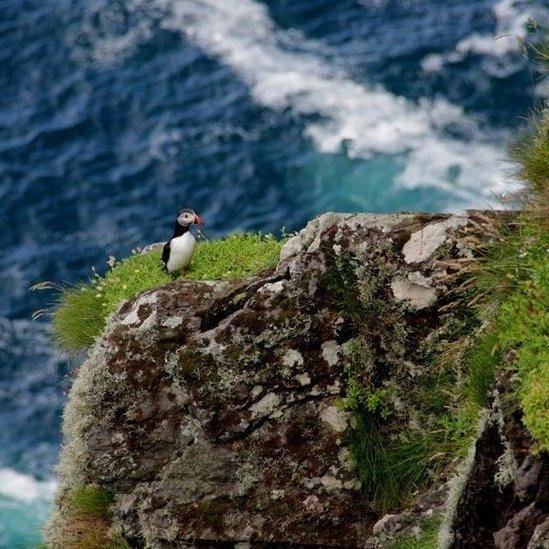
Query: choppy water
113, 114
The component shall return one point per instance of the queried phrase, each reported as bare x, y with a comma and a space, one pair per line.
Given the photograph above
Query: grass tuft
427, 538
391, 468
90, 501
531, 152
81, 312
87, 520
481, 360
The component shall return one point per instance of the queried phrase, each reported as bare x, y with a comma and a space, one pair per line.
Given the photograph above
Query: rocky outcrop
211, 410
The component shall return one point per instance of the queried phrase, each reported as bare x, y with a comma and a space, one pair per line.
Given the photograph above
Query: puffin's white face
189, 217
186, 218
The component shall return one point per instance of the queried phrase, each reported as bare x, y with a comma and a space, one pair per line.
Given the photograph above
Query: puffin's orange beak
198, 220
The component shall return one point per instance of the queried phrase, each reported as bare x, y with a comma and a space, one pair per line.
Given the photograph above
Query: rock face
210, 409
505, 498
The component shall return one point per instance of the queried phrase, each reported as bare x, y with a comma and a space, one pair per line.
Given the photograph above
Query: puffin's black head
187, 217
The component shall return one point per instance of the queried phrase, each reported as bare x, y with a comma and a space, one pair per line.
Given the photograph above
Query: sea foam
511, 24
21, 487
364, 120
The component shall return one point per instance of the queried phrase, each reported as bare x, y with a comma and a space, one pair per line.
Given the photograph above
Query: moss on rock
81, 312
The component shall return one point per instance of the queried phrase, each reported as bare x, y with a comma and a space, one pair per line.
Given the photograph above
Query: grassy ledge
81, 311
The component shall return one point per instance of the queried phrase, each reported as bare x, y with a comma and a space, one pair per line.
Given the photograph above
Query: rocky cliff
221, 413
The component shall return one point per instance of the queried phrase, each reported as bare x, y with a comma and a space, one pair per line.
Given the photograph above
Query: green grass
481, 361
531, 151
87, 520
427, 538
394, 460
520, 327
81, 312
512, 283
90, 501
523, 328
391, 468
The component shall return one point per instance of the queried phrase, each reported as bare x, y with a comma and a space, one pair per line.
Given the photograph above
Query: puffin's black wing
166, 254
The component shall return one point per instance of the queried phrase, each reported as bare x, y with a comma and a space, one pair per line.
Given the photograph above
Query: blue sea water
260, 115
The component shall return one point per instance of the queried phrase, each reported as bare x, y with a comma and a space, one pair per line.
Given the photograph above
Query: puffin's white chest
181, 252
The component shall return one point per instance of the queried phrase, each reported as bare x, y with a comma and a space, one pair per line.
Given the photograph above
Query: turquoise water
24, 506
260, 115
21, 522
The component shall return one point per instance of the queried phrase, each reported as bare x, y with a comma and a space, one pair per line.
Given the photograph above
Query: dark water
113, 114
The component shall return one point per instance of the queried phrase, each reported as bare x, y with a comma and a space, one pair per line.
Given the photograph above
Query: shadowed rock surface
210, 409
505, 497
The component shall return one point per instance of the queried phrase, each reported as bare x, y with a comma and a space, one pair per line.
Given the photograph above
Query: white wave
512, 18
25, 488
365, 120
286, 71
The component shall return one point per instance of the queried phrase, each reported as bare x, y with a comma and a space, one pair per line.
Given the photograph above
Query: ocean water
259, 114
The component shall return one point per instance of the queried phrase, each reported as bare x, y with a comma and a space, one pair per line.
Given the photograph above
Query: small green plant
87, 520
361, 393
391, 467
359, 293
427, 538
377, 402
90, 501
481, 360
81, 312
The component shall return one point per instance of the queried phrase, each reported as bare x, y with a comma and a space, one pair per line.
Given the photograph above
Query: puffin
178, 251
